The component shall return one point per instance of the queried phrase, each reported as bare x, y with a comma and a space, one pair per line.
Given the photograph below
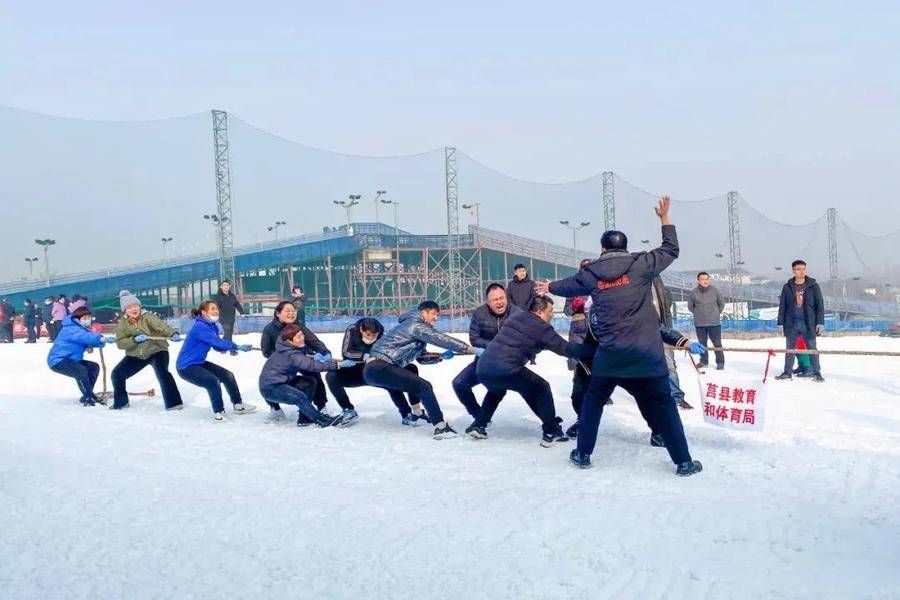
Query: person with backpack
138, 333
66, 356
193, 367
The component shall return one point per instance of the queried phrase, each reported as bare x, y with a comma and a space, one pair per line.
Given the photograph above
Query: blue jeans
209, 376
288, 394
84, 372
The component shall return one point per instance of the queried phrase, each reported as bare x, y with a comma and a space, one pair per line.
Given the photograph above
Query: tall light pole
165, 242
217, 225
476, 206
45, 244
275, 228
348, 206
378, 196
575, 229
397, 241
31, 262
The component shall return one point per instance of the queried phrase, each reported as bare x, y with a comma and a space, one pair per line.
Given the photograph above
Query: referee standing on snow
630, 350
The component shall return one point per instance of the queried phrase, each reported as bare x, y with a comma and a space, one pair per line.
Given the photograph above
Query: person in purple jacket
57, 314
67, 353
193, 367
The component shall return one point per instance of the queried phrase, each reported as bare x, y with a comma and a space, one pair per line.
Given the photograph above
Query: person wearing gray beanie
143, 337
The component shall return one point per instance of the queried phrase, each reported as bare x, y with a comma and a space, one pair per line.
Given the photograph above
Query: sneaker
326, 420
176, 407
414, 420
657, 441
348, 417
784, 376
817, 377
303, 420
582, 461
689, 468
476, 433
554, 437
220, 417
683, 404
244, 409
276, 416
572, 431
444, 433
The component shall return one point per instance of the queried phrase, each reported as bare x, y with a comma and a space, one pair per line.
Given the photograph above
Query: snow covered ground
149, 504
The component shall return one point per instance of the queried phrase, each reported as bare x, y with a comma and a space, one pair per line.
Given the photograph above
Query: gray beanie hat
126, 299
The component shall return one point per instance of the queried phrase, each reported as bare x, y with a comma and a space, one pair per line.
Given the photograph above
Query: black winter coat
272, 332
353, 347
520, 340
31, 314
228, 305
622, 316
521, 292
485, 325
813, 305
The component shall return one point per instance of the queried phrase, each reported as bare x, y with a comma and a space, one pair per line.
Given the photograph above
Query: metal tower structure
609, 200
223, 195
453, 258
734, 234
832, 244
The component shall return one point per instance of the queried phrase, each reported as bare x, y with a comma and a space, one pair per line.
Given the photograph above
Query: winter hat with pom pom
126, 299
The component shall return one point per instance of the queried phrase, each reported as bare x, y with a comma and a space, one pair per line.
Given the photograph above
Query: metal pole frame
223, 194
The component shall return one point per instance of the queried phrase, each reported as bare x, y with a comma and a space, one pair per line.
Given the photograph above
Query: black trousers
84, 372
654, 399
227, 329
338, 382
212, 377
532, 387
131, 365
402, 379
463, 384
713, 334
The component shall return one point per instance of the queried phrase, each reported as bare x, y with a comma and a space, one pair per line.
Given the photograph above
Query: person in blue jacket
67, 353
193, 367
276, 381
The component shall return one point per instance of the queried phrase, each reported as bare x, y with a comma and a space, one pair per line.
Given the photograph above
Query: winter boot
476, 433
244, 409
276, 416
689, 468
554, 437
303, 420
326, 420
582, 461
572, 431
114, 407
348, 417
444, 432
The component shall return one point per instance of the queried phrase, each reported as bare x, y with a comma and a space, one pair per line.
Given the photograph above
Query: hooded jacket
148, 324
405, 342
622, 316
71, 342
813, 305
485, 324
203, 337
353, 347
521, 292
706, 304
272, 332
286, 362
520, 340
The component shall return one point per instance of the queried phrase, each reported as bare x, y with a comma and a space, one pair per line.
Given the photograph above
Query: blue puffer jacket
405, 342
71, 342
202, 337
284, 364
